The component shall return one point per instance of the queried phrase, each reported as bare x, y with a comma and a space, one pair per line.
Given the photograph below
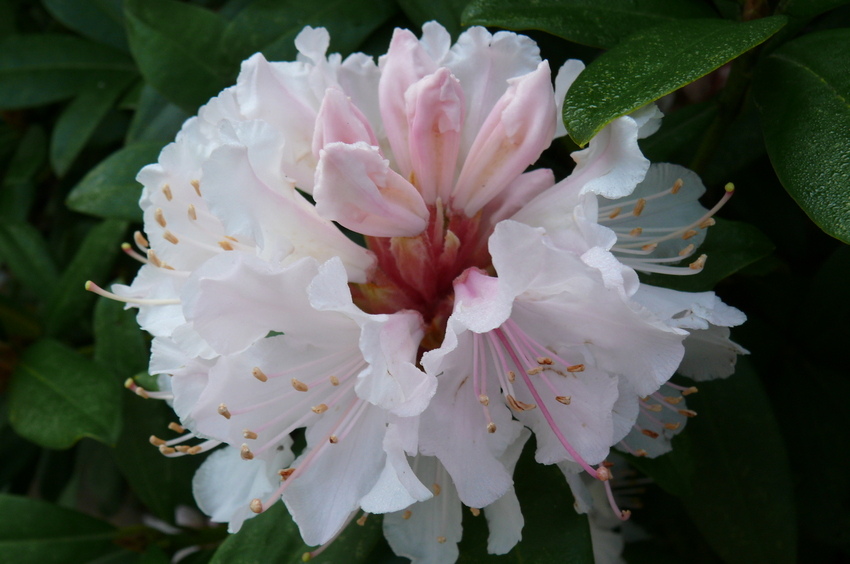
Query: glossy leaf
69, 302
160, 483
741, 497
155, 119
58, 396
100, 20
589, 22
17, 191
270, 26
811, 8
110, 189
553, 531
177, 49
80, 118
652, 63
730, 246
676, 140
44, 68
447, 12
36, 531
802, 90
273, 537
24, 251
119, 343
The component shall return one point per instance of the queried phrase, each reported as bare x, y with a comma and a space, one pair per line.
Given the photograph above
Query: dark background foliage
756, 93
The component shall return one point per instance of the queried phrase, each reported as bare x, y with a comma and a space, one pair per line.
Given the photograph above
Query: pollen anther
299, 385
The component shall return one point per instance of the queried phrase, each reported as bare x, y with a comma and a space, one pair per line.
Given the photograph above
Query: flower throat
417, 273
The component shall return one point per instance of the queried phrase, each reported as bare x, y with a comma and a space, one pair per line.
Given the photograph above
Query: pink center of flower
417, 273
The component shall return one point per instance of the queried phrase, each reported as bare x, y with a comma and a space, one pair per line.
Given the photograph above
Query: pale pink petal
397, 486
225, 484
435, 112
339, 120
480, 303
323, 497
612, 164
235, 299
565, 78
356, 187
504, 516
405, 63
484, 63
472, 456
283, 223
392, 382
519, 193
512, 137
281, 95
428, 532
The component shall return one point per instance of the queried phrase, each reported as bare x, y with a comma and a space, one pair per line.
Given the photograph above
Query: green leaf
447, 12
110, 189
160, 483
652, 63
100, 20
24, 251
553, 531
35, 531
741, 497
69, 301
730, 246
80, 118
273, 537
589, 22
119, 343
18, 191
45, 68
58, 396
176, 47
155, 119
270, 26
675, 141
803, 92
811, 8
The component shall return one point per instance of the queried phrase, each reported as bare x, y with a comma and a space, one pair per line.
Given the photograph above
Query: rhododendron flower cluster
486, 302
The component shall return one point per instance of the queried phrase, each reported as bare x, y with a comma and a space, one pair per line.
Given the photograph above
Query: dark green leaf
25, 252
17, 191
825, 299
654, 62
802, 90
270, 26
80, 118
155, 119
110, 189
730, 246
160, 483
553, 531
811, 8
39, 69
742, 497
58, 396
34, 531
447, 12
101, 20
273, 537
176, 47
589, 22
119, 343
675, 141
69, 301
7, 18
